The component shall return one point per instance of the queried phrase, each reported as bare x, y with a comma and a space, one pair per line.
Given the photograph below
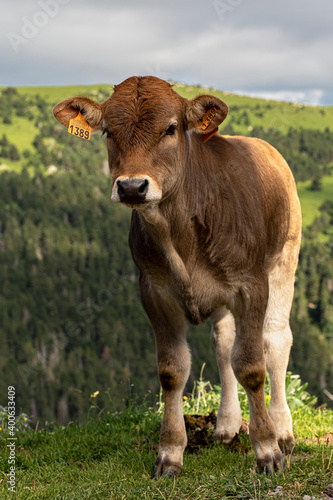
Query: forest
71, 321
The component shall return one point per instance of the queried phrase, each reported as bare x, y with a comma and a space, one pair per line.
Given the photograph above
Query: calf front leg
174, 364
248, 362
173, 369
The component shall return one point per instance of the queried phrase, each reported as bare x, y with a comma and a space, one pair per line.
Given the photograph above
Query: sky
277, 49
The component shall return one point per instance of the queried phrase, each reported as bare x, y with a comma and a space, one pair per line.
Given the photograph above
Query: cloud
250, 46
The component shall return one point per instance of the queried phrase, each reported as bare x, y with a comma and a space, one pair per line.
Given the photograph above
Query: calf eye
171, 130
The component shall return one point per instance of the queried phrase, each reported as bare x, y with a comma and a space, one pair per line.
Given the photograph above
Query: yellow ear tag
208, 118
79, 127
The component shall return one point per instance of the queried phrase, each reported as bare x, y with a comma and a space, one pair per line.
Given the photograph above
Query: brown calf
215, 233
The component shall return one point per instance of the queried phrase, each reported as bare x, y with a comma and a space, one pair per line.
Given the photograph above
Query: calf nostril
143, 187
121, 191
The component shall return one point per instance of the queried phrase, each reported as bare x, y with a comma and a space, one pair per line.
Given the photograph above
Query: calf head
147, 126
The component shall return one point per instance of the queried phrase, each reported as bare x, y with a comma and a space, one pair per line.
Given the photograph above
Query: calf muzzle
136, 191
133, 190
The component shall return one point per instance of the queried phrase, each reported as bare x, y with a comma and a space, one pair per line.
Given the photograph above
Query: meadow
112, 455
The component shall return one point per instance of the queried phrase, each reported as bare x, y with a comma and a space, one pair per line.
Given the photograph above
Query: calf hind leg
248, 362
229, 418
277, 341
277, 349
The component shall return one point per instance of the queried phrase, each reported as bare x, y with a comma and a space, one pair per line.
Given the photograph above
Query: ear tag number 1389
79, 127
208, 118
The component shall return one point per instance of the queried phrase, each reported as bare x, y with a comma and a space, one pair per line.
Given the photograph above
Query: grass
112, 457
312, 200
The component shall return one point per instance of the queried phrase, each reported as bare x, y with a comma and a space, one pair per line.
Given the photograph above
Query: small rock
278, 491
329, 490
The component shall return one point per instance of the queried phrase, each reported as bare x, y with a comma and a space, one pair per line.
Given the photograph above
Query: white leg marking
229, 418
278, 341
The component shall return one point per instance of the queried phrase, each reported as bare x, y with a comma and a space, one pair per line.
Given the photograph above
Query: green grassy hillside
266, 113
312, 200
54, 94
262, 112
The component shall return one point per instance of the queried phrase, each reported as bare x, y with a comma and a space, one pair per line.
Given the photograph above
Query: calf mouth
136, 205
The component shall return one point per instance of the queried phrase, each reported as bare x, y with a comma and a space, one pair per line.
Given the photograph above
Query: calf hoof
270, 464
228, 424
287, 445
224, 437
164, 467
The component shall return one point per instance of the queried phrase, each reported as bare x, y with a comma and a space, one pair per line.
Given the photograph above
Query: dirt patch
200, 433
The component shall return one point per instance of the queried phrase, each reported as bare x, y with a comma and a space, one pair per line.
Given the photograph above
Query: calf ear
68, 109
205, 113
